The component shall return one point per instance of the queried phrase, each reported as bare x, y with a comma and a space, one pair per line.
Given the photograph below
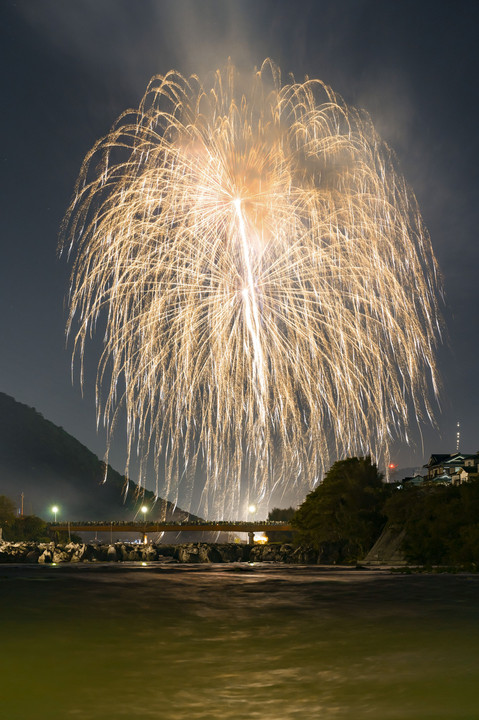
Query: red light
392, 466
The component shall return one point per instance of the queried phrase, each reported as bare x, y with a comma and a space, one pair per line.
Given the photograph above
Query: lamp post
144, 510
251, 510
54, 511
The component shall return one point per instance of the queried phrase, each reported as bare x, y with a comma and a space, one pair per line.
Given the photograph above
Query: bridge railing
145, 527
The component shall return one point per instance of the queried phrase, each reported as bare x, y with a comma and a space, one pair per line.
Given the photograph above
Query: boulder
90, 553
166, 550
122, 552
304, 556
230, 552
12, 552
188, 553
32, 555
77, 551
61, 554
209, 554
149, 553
111, 553
46, 556
134, 554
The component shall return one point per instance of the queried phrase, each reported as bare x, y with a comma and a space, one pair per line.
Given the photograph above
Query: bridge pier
251, 538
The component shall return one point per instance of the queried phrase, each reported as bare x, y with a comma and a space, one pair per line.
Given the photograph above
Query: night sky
70, 68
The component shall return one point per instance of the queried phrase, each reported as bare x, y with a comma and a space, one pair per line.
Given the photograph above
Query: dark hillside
50, 467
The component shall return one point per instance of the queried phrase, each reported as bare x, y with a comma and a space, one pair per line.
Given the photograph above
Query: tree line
16, 528
344, 516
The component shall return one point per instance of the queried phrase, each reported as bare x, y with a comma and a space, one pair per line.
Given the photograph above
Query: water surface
237, 642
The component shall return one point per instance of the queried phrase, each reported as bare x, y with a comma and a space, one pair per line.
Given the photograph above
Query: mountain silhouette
50, 467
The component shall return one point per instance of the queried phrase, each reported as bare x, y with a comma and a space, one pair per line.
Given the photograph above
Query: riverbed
237, 642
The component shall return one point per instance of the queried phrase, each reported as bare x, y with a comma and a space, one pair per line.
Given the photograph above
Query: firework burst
268, 287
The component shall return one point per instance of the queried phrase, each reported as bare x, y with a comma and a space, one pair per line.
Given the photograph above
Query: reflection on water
236, 642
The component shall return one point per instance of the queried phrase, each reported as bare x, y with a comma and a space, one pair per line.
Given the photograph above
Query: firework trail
267, 285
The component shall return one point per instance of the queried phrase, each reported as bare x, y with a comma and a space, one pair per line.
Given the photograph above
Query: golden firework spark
268, 286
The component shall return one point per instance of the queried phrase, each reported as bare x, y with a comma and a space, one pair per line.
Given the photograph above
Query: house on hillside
454, 468
416, 479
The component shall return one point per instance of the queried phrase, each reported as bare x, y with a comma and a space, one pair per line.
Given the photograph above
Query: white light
260, 538
252, 508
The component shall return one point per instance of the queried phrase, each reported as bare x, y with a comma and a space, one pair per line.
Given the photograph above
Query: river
236, 642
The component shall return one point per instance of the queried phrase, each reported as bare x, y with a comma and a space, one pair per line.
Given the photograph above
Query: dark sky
70, 68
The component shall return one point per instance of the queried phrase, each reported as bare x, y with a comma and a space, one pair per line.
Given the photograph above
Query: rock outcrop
49, 553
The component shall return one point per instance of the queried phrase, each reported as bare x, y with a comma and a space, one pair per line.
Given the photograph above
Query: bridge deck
157, 527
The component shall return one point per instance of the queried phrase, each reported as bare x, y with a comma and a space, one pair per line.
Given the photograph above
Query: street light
54, 511
251, 510
144, 510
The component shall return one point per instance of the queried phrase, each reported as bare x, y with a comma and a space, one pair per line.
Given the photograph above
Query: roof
449, 459
437, 458
444, 478
470, 470
414, 480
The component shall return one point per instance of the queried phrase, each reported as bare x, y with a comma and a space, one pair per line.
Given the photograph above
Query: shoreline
199, 554
48, 553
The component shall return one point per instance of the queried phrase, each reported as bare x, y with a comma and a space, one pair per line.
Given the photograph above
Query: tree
7, 515
441, 522
30, 527
7, 509
16, 528
345, 512
281, 515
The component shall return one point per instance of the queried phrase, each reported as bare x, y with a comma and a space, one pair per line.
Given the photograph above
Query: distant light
55, 509
392, 466
144, 509
260, 538
252, 508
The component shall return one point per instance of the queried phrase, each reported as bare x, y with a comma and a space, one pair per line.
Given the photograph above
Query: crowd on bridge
143, 522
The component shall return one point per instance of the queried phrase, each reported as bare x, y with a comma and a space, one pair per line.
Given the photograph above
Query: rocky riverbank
44, 553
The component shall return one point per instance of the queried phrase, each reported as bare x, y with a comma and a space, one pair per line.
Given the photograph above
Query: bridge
145, 528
